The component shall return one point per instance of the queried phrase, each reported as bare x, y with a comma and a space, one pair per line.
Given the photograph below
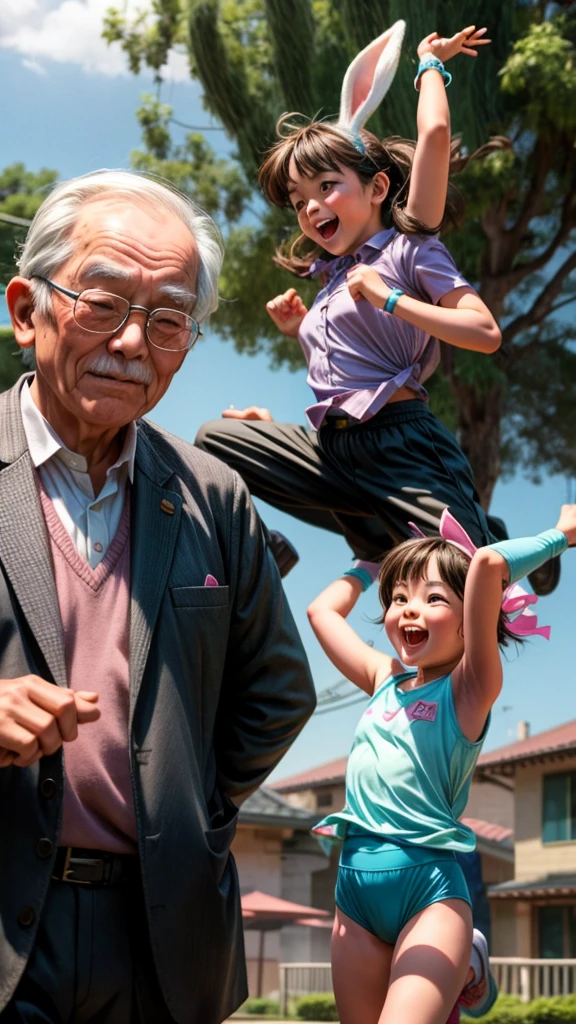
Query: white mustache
107, 365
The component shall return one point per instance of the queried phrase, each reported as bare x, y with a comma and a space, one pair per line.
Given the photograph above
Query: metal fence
514, 976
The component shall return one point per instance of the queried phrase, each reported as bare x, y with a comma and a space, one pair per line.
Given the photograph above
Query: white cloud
70, 31
34, 66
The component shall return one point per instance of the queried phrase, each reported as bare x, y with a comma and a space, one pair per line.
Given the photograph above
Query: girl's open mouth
328, 228
413, 636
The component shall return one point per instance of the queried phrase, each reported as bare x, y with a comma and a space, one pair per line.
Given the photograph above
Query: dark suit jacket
219, 689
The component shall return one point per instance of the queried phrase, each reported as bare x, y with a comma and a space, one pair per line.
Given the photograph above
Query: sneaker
285, 555
479, 996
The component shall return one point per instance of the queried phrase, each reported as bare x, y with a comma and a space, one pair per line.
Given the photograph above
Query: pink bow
514, 599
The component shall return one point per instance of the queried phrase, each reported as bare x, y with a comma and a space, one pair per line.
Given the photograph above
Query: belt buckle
68, 869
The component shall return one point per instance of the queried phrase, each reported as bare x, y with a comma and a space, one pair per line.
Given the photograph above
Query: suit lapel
24, 549
156, 515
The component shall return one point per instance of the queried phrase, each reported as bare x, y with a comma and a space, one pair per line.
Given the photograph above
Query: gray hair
48, 244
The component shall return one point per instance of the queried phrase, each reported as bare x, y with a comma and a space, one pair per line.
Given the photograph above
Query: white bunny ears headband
368, 79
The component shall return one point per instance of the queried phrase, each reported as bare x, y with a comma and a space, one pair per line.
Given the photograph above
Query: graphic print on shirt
422, 711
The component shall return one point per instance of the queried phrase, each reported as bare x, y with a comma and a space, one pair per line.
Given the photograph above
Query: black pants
366, 482
91, 963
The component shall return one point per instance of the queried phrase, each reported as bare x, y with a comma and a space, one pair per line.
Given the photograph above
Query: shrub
320, 1006
560, 1010
509, 1010
261, 1007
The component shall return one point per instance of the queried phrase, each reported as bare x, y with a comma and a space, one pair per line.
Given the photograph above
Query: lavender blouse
358, 356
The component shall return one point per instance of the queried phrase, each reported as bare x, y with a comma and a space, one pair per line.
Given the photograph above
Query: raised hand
36, 717
467, 41
567, 523
287, 311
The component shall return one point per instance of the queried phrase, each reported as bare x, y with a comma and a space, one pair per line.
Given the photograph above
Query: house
276, 854
534, 912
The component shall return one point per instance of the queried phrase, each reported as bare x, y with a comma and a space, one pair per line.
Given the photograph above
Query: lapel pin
168, 507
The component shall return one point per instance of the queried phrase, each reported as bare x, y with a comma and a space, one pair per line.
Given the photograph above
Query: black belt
93, 867
339, 422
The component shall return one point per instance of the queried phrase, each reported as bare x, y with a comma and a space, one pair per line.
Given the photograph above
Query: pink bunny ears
369, 78
515, 598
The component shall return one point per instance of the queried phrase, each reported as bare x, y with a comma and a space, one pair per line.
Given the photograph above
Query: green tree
256, 58
21, 193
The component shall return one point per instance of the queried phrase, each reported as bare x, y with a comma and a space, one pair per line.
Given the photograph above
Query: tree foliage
21, 193
257, 58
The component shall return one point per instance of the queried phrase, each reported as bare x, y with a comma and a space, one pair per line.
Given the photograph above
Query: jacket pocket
219, 837
200, 597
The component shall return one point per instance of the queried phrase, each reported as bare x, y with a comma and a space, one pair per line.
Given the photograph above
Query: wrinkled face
144, 254
424, 621
335, 209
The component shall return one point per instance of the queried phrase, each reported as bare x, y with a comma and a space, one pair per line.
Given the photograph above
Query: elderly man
151, 675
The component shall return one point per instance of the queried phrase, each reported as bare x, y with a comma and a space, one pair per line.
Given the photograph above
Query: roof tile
562, 737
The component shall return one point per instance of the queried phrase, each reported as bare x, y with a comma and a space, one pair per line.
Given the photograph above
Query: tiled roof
560, 739
330, 771
486, 830
264, 807
537, 888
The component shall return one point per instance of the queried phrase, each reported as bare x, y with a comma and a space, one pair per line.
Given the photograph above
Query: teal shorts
381, 884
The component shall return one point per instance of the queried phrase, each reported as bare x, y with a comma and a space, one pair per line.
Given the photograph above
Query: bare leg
429, 965
360, 971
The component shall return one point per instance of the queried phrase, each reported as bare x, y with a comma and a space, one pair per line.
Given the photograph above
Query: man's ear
21, 309
380, 187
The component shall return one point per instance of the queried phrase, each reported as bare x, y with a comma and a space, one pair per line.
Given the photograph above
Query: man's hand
365, 282
567, 523
465, 41
36, 717
253, 412
287, 311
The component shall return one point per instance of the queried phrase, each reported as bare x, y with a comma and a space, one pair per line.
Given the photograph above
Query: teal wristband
427, 62
524, 554
360, 574
392, 299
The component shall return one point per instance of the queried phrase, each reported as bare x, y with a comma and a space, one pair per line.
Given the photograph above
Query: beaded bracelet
392, 299
427, 62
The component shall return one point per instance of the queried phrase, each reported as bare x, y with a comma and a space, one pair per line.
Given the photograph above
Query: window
559, 807
557, 932
324, 800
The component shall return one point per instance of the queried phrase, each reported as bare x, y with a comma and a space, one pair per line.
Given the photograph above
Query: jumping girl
376, 457
403, 925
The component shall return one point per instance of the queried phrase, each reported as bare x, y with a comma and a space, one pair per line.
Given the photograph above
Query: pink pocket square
211, 581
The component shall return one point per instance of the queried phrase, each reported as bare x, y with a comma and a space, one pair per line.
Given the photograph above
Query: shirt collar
333, 266
44, 443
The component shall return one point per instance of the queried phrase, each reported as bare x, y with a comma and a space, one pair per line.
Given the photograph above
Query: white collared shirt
90, 520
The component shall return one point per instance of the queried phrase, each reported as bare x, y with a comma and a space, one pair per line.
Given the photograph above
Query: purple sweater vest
95, 612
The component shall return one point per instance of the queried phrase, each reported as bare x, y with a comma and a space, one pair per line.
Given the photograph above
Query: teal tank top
409, 770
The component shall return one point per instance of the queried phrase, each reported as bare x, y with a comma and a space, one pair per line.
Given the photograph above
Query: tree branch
542, 306
532, 202
567, 225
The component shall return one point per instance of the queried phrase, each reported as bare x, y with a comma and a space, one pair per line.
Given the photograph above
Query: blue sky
62, 115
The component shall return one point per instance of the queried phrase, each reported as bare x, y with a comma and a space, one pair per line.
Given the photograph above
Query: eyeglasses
104, 313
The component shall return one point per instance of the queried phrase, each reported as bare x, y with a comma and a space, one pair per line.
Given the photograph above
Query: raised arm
478, 677
460, 319
356, 660
429, 177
